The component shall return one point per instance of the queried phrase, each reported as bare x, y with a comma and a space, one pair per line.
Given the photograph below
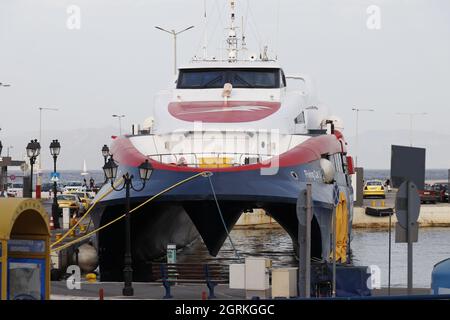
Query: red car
428, 195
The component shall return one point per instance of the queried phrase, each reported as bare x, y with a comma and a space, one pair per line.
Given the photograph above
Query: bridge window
262, 78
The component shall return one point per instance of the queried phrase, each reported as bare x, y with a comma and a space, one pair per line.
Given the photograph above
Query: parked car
15, 190
374, 188
74, 186
442, 189
85, 198
428, 194
71, 201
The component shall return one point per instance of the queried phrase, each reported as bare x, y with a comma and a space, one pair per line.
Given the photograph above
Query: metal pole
175, 51
411, 130
356, 138
31, 177
304, 242
55, 208
38, 178
128, 270
308, 240
389, 263
410, 244
120, 125
334, 252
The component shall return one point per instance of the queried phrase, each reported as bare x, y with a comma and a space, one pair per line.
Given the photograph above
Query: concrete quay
153, 291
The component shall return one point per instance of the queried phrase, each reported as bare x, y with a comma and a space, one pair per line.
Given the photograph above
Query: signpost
304, 216
54, 177
407, 207
335, 202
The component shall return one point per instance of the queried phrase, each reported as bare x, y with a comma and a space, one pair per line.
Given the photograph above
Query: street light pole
411, 116
174, 34
145, 171
120, 121
33, 151
7, 150
39, 177
358, 110
55, 148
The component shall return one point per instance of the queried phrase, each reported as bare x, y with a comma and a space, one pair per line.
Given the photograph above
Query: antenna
205, 40
243, 43
232, 39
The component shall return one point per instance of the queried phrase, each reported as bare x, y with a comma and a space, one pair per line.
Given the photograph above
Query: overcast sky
117, 60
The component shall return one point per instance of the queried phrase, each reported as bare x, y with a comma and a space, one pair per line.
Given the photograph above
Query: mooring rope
204, 174
223, 220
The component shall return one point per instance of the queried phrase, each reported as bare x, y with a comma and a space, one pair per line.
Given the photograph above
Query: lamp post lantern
55, 148
105, 152
33, 151
145, 171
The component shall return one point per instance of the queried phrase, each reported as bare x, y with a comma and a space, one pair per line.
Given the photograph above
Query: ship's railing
195, 159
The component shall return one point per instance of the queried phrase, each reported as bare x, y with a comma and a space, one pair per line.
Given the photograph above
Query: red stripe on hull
312, 149
221, 111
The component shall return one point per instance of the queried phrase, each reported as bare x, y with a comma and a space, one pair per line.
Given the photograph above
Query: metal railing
219, 155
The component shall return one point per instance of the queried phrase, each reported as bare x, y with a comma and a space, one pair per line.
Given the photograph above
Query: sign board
54, 176
401, 234
407, 204
407, 163
12, 177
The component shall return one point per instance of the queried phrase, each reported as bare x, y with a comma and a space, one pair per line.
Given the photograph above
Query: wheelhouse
215, 78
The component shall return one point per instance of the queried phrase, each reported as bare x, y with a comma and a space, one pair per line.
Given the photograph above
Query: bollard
204, 295
373, 203
101, 294
91, 277
383, 203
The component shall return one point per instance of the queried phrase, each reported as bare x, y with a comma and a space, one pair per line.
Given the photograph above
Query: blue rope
221, 217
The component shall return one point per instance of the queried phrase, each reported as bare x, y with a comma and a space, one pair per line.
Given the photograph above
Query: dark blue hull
182, 214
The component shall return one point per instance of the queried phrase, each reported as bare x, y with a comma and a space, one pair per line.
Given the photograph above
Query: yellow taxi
374, 188
85, 198
71, 201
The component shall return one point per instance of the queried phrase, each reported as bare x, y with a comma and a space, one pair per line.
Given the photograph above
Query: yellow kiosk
24, 250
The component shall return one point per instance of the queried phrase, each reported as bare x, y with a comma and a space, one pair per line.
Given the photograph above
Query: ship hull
190, 211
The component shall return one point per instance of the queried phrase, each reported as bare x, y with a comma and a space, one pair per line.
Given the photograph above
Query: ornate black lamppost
105, 152
33, 151
55, 148
145, 171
